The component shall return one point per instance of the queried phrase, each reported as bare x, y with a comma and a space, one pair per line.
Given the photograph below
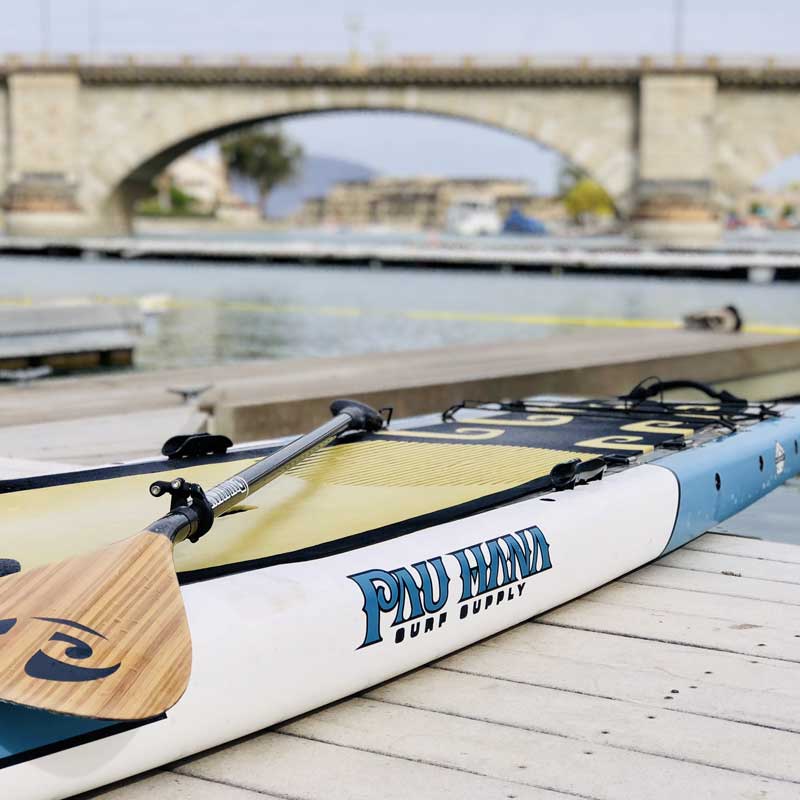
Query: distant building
418, 203
204, 178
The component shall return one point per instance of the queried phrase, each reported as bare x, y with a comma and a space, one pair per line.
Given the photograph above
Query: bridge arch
135, 132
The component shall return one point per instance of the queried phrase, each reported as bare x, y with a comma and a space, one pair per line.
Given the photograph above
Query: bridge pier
44, 154
674, 203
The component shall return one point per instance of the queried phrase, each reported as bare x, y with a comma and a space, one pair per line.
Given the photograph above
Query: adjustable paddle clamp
189, 500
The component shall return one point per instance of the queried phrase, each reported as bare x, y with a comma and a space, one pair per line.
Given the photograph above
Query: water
228, 312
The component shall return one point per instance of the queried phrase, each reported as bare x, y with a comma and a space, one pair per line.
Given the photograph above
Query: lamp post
678, 22
93, 22
44, 25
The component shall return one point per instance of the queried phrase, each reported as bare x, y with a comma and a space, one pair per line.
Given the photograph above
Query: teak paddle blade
103, 635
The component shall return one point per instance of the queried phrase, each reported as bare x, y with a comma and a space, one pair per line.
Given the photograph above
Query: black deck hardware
569, 474
654, 386
195, 445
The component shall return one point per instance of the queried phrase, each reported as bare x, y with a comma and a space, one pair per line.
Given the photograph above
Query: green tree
568, 176
588, 198
265, 157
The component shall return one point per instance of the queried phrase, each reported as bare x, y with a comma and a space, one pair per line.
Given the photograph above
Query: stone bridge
80, 142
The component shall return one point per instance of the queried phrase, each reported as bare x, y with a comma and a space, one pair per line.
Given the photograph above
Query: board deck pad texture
366, 488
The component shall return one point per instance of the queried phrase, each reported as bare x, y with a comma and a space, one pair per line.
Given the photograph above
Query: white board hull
273, 643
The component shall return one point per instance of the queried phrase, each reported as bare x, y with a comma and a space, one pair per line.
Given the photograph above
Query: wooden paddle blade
103, 635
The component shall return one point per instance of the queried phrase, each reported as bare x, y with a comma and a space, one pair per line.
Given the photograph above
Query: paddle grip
364, 417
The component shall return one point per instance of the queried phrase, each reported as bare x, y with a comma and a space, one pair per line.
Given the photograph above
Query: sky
418, 145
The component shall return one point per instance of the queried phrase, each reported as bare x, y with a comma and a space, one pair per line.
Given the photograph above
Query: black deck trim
158, 465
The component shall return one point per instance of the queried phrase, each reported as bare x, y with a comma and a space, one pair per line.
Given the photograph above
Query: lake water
227, 312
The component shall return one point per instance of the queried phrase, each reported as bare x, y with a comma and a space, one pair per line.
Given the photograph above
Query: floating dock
534, 255
67, 337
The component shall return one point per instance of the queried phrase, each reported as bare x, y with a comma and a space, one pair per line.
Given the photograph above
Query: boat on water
517, 222
376, 554
473, 216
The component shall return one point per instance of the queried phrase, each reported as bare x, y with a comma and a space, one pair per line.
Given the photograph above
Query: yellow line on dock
542, 320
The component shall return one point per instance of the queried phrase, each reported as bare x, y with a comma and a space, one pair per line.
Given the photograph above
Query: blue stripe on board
23, 729
748, 466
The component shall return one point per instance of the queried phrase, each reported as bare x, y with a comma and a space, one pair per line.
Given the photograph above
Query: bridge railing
383, 61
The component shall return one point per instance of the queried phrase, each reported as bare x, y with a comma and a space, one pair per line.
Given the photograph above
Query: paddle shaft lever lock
193, 511
190, 501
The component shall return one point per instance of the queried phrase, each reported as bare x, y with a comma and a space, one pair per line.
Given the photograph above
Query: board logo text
483, 575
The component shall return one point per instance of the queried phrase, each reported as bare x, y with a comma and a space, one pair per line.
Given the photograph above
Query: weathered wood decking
681, 679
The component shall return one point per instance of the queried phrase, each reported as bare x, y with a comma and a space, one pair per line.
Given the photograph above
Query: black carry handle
644, 391
569, 474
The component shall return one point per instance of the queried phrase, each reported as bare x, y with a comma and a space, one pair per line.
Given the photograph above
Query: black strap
644, 391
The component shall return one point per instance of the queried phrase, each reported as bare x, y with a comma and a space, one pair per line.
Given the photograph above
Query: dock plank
762, 613
746, 638
527, 757
719, 584
747, 548
707, 563
705, 682
624, 724
127, 436
292, 765
174, 786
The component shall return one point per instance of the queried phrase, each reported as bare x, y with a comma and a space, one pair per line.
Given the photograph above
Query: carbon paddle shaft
232, 491
194, 520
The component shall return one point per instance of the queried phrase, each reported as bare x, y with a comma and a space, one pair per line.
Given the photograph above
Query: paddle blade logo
487, 574
46, 664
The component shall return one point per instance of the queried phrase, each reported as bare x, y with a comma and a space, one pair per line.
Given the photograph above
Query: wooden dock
67, 337
681, 679
544, 254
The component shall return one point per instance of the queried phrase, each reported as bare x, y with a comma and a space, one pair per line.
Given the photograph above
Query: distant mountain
317, 175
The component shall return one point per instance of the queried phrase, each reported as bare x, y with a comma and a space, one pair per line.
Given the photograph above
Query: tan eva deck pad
338, 492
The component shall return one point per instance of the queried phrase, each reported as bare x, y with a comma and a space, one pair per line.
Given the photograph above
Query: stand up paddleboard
377, 554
